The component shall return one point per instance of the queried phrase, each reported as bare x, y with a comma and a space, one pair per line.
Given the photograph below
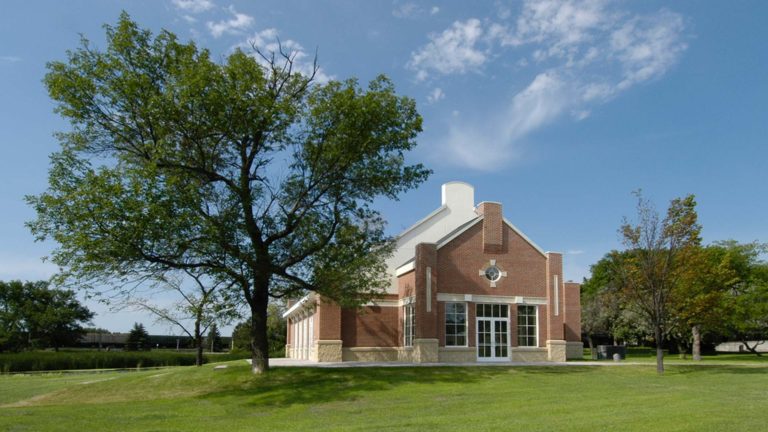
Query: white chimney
458, 195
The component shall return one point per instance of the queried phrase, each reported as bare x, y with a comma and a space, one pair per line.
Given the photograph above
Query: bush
73, 360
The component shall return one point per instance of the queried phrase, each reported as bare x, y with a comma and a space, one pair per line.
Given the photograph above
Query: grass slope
687, 397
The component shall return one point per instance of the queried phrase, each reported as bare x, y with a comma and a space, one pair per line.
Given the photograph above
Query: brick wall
460, 261
371, 326
328, 320
572, 311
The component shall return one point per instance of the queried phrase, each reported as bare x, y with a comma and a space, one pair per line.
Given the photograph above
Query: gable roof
463, 228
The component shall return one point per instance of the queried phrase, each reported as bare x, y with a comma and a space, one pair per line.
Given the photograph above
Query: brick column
328, 331
555, 307
425, 342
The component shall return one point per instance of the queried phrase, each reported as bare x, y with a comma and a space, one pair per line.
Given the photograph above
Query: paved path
285, 362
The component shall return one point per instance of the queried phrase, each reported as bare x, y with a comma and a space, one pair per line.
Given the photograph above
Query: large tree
656, 253
246, 170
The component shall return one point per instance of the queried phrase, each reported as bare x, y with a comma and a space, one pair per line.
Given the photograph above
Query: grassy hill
588, 398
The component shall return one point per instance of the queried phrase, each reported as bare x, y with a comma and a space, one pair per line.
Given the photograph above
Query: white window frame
409, 324
466, 324
535, 326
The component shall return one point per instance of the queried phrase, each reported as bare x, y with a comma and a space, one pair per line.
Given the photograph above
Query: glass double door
492, 332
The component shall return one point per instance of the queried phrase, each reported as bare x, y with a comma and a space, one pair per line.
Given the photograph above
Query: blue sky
557, 109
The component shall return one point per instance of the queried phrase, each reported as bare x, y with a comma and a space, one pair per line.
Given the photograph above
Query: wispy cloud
268, 41
575, 252
435, 95
10, 59
579, 54
410, 10
193, 6
238, 24
458, 49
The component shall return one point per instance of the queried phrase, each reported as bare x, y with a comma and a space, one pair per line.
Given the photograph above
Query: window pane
455, 323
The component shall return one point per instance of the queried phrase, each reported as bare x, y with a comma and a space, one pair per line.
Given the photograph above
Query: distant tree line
35, 316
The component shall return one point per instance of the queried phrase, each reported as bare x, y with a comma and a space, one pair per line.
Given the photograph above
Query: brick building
466, 286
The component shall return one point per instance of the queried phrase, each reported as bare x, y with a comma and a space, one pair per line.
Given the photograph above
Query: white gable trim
457, 233
422, 221
405, 268
525, 237
299, 305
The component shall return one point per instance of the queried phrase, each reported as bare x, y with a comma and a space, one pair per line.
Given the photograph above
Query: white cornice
405, 268
525, 237
299, 305
459, 231
422, 221
477, 298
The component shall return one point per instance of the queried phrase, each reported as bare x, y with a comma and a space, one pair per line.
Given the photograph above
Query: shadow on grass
712, 369
296, 385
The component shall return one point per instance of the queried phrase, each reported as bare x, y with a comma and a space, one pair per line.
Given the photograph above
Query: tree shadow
713, 369
298, 385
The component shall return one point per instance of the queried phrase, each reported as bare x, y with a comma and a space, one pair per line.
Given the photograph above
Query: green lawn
588, 398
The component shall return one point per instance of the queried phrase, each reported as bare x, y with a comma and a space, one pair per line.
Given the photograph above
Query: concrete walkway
286, 362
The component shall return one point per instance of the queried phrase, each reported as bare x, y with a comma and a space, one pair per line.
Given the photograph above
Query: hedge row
73, 360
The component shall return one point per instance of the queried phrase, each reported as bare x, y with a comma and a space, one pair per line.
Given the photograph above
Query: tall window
455, 324
527, 334
408, 325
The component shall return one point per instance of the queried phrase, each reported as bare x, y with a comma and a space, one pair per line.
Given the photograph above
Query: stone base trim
556, 350
457, 355
574, 350
425, 350
532, 354
328, 351
373, 354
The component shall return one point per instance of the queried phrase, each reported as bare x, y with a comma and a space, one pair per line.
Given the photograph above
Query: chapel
466, 285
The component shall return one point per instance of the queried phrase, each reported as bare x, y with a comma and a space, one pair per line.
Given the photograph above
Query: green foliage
32, 315
245, 170
138, 339
276, 332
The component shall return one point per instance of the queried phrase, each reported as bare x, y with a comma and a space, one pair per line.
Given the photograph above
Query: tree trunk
259, 342
659, 350
682, 351
198, 344
592, 351
696, 348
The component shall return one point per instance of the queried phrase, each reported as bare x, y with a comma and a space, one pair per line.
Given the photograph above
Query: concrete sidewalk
286, 362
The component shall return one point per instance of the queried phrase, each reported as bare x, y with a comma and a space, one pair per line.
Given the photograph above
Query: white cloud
575, 252
435, 95
492, 142
455, 50
580, 54
648, 46
10, 59
193, 6
267, 41
235, 25
406, 10
412, 10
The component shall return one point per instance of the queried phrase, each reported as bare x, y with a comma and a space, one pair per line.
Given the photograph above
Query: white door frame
493, 337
